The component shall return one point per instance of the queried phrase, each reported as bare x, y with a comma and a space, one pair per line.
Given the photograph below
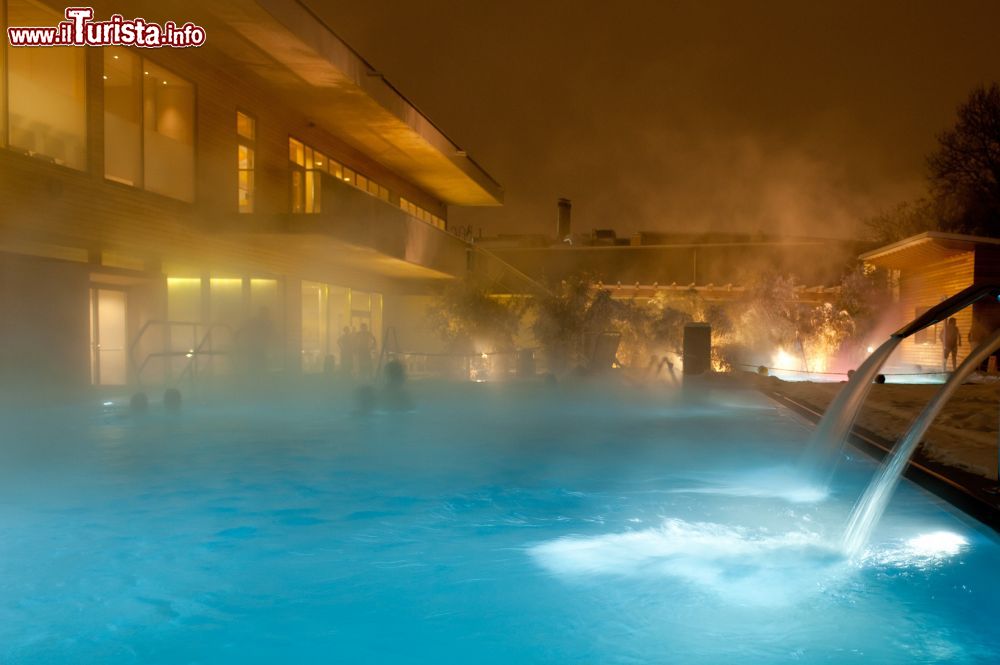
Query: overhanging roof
927, 247
293, 50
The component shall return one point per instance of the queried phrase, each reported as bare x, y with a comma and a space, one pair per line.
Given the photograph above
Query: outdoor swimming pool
491, 525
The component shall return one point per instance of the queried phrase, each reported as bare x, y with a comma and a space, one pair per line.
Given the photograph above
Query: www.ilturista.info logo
80, 29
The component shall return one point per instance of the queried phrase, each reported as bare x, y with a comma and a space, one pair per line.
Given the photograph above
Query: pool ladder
206, 347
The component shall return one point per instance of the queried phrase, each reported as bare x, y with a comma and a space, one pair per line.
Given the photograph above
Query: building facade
170, 212
930, 267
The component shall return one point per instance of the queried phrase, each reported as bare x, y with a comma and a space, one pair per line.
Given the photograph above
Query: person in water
395, 395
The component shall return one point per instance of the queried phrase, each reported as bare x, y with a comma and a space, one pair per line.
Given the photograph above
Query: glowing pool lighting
926, 549
784, 360
108, 403
938, 544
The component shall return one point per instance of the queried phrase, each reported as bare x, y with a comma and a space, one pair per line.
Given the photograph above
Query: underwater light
936, 544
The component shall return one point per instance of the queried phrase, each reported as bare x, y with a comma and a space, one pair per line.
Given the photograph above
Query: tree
906, 219
470, 319
964, 172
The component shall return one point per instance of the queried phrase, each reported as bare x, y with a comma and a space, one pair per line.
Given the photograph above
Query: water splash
742, 566
745, 566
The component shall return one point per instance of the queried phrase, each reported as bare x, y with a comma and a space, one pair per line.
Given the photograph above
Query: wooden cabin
928, 268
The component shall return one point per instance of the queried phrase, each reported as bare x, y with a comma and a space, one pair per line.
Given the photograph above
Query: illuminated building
156, 200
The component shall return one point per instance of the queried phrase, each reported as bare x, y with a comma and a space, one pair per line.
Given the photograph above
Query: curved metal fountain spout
873, 502
826, 445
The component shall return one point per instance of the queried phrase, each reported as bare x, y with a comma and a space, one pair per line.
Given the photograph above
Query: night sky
743, 116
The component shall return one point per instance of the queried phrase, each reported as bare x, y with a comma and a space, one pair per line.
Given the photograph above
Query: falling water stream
824, 448
873, 502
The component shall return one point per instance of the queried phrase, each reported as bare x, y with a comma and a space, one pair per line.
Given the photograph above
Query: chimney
562, 224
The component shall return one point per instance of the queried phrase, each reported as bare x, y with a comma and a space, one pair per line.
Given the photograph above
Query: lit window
122, 117
320, 162
296, 152
246, 129
167, 133
348, 175
362, 182
246, 126
306, 184
46, 93
148, 126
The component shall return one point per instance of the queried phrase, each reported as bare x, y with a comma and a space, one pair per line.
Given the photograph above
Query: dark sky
789, 116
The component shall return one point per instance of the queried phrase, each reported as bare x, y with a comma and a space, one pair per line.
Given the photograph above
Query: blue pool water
491, 525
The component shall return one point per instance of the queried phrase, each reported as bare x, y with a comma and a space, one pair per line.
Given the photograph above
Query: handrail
146, 326
138, 368
197, 350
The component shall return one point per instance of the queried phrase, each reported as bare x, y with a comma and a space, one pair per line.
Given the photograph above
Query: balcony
365, 234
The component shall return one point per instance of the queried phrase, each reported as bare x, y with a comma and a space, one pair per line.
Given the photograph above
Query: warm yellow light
784, 360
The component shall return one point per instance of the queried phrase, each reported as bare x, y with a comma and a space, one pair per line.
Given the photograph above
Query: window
246, 131
297, 159
307, 165
122, 117
306, 186
148, 126
414, 210
168, 133
46, 94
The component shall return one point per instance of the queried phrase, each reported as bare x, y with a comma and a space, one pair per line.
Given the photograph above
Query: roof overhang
288, 46
927, 247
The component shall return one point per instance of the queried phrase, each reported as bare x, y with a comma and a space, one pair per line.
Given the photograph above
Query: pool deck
972, 494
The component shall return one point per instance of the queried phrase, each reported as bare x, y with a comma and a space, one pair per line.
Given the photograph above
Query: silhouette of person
346, 345
364, 344
951, 340
255, 338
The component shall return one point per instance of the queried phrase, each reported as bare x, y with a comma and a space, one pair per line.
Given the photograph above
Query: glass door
108, 337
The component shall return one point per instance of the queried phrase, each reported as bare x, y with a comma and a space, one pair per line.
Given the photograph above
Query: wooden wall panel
923, 289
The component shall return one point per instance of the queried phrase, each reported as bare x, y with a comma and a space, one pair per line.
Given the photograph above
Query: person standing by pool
346, 345
951, 340
364, 344
255, 339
